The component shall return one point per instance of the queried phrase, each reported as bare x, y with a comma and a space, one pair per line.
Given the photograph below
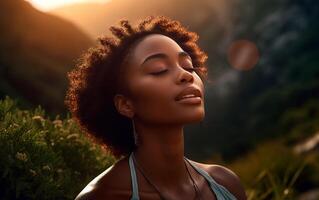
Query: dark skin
159, 121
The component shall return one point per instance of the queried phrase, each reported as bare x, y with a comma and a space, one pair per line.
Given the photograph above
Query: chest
205, 192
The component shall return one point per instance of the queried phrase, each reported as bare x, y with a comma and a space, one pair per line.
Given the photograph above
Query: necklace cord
194, 183
197, 194
147, 179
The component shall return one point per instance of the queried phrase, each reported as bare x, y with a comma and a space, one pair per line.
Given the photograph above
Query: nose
184, 76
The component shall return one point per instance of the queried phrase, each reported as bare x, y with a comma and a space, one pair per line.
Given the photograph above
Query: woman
134, 95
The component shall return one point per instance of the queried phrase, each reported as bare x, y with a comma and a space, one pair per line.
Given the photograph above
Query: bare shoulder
225, 177
113, 183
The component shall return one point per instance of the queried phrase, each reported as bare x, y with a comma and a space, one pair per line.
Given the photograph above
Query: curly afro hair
97, 78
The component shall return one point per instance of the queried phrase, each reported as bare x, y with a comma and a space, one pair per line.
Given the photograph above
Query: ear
123, 105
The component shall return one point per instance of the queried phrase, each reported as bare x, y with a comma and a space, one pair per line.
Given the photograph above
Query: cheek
152, 93
153, 99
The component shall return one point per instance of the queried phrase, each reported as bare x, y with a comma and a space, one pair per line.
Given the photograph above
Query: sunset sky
46, 5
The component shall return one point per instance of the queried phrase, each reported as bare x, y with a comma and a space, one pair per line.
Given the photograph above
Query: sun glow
47, 5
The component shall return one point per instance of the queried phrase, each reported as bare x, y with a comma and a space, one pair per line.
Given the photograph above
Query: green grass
273, 171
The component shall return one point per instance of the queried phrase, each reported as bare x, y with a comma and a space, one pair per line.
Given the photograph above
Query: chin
194, 118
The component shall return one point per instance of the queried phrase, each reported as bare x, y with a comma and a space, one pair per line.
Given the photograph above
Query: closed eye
162, 72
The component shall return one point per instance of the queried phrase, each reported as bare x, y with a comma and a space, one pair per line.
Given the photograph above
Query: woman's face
155, 82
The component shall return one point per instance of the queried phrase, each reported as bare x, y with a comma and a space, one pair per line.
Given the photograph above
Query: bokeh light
243, 55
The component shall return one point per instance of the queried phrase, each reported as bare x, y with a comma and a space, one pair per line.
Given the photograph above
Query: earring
135, 133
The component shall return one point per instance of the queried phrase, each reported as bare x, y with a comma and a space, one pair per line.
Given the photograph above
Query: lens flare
243, 54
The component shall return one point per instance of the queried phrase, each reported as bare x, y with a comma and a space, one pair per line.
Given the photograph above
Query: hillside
96, 23
37, 49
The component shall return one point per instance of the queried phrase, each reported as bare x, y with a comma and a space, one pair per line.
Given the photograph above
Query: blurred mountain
96, 18
37, 49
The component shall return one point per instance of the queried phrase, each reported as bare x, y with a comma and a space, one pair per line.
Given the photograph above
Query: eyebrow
165, 56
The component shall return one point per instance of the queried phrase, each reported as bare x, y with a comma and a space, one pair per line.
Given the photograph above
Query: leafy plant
42, 158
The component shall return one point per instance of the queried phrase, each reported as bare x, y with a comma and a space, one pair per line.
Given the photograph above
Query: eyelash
161, 72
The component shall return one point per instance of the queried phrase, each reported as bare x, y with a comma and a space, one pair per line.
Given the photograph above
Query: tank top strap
133, 179
220, 191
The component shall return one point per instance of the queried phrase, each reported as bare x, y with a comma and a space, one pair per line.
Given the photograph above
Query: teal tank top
220, 191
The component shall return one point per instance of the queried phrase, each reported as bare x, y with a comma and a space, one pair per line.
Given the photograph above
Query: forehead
154, 43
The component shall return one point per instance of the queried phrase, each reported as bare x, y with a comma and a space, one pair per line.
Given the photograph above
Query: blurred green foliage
42, 158
273, 171
279, 96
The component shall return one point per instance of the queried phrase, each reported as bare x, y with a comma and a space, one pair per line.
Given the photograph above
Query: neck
160, 153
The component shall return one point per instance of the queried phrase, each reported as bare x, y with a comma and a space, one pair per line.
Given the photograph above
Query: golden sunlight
46, 5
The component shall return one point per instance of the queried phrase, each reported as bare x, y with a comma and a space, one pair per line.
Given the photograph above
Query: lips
188, 93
